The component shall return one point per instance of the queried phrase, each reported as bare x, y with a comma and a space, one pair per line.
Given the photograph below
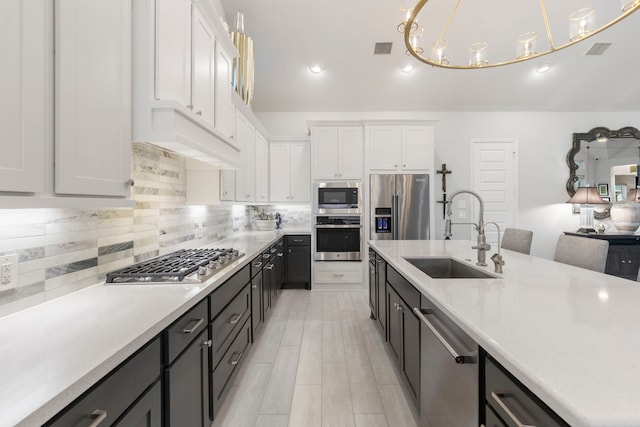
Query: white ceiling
290, 34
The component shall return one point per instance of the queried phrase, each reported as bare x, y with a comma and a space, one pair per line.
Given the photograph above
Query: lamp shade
587, 196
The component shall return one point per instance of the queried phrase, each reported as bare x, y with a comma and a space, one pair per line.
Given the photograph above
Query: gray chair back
582, 252
517, 240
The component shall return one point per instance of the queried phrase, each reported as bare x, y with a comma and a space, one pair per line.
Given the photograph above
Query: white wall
544, 138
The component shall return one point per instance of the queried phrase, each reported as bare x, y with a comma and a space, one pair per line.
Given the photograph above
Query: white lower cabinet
338, 273
27, 90
290, 172
93, 97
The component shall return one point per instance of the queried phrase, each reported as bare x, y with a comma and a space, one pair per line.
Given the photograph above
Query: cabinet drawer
256, 265
184, 330
116, 392
223, 375
407, 292
299, 240
222, 296
510, 399
226, 325
492, 419
338, 272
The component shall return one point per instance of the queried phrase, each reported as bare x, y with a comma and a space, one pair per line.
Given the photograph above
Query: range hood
168, 125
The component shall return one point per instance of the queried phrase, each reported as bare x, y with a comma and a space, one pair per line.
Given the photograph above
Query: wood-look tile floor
319, 361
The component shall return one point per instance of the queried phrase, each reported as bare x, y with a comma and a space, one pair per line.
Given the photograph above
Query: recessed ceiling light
544, 67
316, 67
407, 68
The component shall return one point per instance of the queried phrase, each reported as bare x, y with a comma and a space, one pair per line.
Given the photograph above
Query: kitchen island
53, 352
568, 334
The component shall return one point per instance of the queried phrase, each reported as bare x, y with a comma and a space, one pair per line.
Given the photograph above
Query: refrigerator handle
394, 216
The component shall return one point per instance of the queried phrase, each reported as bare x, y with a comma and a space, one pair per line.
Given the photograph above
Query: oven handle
338, 226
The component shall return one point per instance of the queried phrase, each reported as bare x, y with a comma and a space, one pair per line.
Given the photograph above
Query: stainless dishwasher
448, 371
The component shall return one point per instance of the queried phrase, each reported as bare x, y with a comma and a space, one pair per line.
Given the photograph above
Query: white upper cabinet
401, 148
182, 80
27, 90
173, 51
262, 169
289, 172
338, 152
246, 174
203, 68
227, 185
93, 97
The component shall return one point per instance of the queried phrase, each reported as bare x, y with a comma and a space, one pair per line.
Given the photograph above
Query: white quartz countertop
572, 336
52, 352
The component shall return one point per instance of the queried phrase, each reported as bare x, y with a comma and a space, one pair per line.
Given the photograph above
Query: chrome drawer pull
207, 343
196, 325
234, 361
235, 318
505, 408
99, 415
456, 356
280, 254
269, 266
257, 264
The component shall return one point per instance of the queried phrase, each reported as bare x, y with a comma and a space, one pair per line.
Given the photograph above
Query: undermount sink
448, 268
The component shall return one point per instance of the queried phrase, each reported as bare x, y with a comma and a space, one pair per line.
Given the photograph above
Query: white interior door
495, 179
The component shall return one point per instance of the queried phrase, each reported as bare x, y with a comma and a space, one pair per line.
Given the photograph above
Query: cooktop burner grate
173, 267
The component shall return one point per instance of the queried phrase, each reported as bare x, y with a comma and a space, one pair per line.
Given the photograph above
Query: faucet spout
482, 245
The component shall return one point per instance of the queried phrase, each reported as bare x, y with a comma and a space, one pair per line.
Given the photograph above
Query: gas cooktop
183, 266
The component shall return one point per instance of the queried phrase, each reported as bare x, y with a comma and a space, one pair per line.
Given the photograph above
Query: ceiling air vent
598, 48
382, 48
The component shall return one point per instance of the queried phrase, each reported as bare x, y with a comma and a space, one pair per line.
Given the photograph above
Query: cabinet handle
235, 318
338, 275
207, 343
505, 408
197, 323
235, 360
456, 356
398, 307
280, 254
404, 166
129, 183
265, 256
273, 250
269, 266
254, 286
99, 415
198, 113
190, 107
257, 264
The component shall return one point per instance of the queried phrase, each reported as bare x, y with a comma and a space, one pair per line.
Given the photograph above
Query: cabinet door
350, 153
416, 147
146, 412
279, 174
26, 111
394, 324
245, 175
373, 290
93, 97
256, 304
224, 110
411, 350
187, 386
300, 171
262, 169
381, 277
173, 51
383, 148
202, 69
325, 153
227, 184
298, 264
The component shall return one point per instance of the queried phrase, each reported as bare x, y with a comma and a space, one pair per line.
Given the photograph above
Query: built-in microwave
344, 197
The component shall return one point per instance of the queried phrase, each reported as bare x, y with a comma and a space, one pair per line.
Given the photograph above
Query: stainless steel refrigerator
399, 207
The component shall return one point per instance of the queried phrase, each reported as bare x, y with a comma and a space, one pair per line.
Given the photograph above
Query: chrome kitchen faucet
482, 246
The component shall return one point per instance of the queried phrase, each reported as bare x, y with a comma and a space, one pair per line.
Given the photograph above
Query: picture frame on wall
603, 189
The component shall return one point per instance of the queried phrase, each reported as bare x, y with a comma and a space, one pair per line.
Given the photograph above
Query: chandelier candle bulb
438, 52
478, 54
626, 4
526, 44
581, 23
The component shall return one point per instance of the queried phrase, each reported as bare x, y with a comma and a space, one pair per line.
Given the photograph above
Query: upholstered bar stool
582, 252
517, 240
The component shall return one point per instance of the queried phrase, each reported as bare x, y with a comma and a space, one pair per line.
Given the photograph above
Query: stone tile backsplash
63, 250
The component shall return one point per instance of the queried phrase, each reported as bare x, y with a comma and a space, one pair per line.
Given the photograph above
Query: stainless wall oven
338, 238
337, 198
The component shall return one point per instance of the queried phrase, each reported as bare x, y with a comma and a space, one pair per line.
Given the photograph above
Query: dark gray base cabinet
298, 262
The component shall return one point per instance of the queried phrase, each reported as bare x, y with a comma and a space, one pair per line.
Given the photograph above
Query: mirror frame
627, 132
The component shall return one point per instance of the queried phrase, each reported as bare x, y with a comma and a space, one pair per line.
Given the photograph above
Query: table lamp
586, 197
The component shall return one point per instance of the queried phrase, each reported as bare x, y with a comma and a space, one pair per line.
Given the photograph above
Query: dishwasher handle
457, 357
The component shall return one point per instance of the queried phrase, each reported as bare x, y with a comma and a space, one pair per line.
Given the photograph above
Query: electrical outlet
8, 271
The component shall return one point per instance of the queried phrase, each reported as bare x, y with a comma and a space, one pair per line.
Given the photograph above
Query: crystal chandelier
455, 41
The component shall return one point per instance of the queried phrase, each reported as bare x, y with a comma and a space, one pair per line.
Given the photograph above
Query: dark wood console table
623, 259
